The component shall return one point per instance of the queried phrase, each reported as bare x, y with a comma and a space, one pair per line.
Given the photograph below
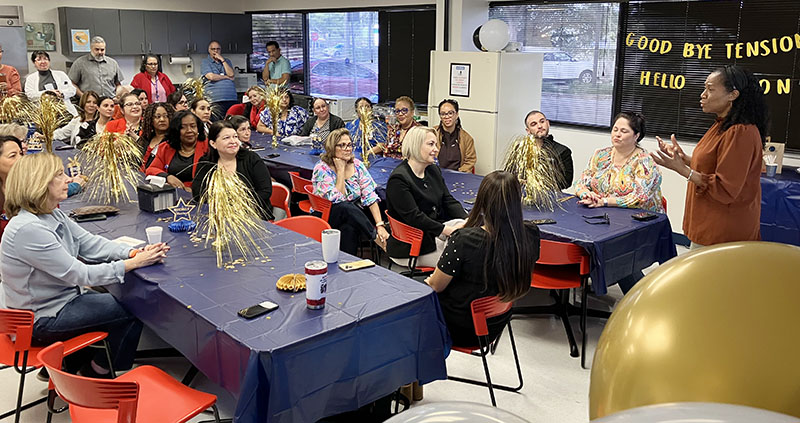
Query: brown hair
82, 104
408, 100
330, 145
28, 182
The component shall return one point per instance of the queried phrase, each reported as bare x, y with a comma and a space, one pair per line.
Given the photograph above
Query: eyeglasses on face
132, 104
183, 102
402, 111
152, 64
447, 114
216, 49
345, 146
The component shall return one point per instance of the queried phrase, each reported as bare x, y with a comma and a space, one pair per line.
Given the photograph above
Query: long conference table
379, 330
621, 248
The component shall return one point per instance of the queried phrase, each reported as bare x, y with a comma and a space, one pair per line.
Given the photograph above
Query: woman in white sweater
46, 79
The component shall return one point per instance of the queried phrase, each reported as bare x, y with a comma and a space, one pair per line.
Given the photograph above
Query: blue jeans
89, 312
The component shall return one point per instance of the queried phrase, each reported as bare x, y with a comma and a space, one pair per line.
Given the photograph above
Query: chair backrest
298, 183
280, 198
486, 308
87, 392
236, 109
407, 234
563, 253
318, 203
310, 226
18, 323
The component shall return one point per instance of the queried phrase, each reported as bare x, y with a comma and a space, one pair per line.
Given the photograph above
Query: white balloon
455, 411
696, 412
494, 35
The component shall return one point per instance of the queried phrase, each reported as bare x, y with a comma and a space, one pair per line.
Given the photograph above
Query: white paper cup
154, 234
772, 169
330, 245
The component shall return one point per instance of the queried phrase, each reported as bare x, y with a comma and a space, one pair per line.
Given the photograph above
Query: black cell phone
90, 217
65, 147
257, 310
273, 155
644, 216
543, 221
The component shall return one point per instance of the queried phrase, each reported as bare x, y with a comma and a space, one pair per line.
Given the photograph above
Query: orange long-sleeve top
729, 208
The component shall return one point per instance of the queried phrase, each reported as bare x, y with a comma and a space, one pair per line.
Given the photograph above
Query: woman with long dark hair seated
345, 182
155, 124
492, 255
225, 151
177, 158
47, 257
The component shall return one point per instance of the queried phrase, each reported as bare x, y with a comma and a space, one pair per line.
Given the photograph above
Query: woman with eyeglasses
456, 146
105, 111
225, 151
378, 129
131, 121
177, 158
154, 130
404, 112
156, 85
322, 123
46, 79
291, 121
344, 181
178, 100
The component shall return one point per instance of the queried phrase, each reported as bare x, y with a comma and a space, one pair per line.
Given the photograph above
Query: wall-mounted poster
40, 36
459, 79
80, 40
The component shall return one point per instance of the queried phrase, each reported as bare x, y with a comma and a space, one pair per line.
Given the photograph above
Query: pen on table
561, 200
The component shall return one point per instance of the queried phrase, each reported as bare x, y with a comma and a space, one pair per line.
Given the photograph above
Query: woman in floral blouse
345, 182
291, 121
622, 175
404, 111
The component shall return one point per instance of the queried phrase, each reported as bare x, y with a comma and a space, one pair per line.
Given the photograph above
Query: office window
579, 43
343, 54
287, 30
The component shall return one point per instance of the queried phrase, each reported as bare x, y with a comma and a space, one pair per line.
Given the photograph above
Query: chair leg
107, 347
584, 307
516, 356
564, 314
481, 341
21, 384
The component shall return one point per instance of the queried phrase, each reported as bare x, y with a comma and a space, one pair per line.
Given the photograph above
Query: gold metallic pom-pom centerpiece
233, 222
366, 128
273, 96
538, 170
111, 163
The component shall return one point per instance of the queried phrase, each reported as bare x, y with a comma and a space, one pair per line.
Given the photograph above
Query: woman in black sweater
224, 150
417, 195
492, 255
323, 122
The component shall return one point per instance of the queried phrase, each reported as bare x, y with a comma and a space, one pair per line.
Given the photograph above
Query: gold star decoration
181, 211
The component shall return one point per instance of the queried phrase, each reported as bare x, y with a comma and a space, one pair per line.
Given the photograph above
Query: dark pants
90, 312
220, 108
626, 283
353, 223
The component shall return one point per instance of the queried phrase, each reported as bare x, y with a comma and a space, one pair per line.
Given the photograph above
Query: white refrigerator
494, 91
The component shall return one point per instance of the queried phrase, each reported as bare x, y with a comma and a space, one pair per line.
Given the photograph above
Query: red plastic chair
318, 203
298, 186
19, 323
236, 109
310, 226
482, 310
664, 203
409, 235
280, 198
144, 394
563, 266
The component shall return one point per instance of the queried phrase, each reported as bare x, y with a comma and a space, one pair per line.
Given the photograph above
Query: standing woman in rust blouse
723, 199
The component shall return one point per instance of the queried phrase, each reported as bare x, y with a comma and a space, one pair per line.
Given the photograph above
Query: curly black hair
750, 107
148, 131
173, 137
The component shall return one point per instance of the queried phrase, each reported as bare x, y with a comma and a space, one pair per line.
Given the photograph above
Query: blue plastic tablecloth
620, 249
378, 331
780, 207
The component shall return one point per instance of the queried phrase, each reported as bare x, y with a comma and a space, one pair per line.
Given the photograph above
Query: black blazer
564, 155
251, 170
422, 203
335, 123
85, 134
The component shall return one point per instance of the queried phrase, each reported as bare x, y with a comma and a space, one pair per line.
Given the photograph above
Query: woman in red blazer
177, 158
152, 80
131, 121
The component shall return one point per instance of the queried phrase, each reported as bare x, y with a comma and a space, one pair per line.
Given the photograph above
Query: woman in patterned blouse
345, 182
404, 111
378, 128
623, 175
291, 121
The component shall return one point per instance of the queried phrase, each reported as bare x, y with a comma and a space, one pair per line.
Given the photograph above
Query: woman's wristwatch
605, 202
381, 223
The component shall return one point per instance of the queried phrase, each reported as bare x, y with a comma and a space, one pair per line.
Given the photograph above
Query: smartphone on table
257, 310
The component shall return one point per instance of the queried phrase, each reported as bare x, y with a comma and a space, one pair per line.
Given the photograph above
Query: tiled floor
556, 389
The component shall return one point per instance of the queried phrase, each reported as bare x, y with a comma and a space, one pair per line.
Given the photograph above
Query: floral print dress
635, 184
294, 121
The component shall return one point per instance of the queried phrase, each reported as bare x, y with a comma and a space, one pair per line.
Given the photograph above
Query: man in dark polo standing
96, 71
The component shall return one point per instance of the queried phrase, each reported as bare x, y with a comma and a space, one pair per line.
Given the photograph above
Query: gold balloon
719, 324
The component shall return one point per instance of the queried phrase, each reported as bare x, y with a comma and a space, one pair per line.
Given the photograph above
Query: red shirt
165, 155
142, 81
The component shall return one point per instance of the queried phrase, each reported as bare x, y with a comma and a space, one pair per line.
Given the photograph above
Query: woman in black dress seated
492, 255
417, 195
225, 151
